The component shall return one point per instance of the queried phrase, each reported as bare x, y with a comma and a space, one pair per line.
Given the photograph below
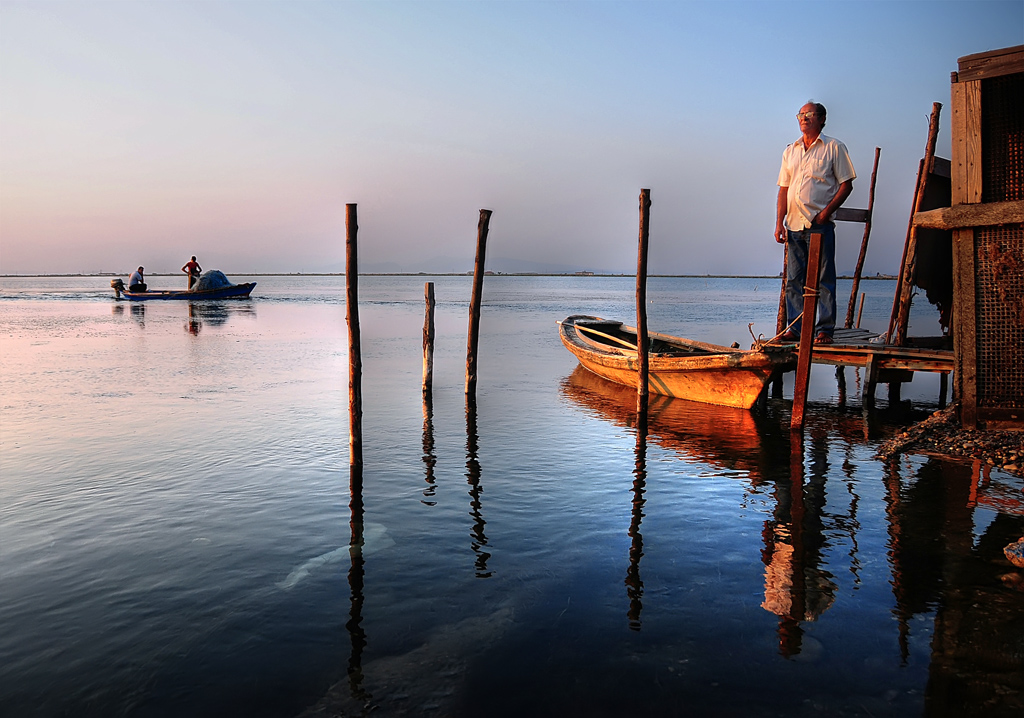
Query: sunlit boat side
682, 368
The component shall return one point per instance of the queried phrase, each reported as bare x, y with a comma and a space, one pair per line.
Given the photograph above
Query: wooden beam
846, 214
971, 215
898, 333
995, 63
864, 242
803, 367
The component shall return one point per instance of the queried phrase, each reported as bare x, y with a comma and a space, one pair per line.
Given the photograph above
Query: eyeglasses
806, 115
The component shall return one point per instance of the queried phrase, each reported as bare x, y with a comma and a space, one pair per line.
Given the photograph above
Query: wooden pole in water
860, 311
428, 338
803, 364
641, 302
863, 243
355, 361
473, 342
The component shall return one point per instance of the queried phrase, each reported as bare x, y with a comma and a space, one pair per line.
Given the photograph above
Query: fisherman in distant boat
193, 269
816, 178
137, 282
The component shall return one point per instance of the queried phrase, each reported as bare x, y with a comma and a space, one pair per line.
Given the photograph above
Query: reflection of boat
719, 435
682, 368
231, 291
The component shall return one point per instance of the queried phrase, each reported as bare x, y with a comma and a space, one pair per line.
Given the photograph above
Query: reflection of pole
355, 582
429, 459
634, 585
428, 340
479, 538
641, 300
355, 362
473, 342
790, 631
896, 551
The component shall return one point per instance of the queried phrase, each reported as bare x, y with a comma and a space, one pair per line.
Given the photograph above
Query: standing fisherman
194, 270
816, 178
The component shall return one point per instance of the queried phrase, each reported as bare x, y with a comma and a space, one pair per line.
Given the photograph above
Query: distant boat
683, 368
228, 291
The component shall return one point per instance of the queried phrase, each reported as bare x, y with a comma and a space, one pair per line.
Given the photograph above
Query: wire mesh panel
999, 316
1002, 140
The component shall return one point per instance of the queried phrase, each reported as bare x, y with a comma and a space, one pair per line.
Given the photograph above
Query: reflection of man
816, 178
137, 282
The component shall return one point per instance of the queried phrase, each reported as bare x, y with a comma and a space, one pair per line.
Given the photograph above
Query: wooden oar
623, 342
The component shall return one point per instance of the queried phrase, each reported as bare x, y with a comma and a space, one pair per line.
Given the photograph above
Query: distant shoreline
439, 274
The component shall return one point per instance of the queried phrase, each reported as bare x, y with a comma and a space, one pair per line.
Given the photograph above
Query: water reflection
796, 587
943, 562
721, 436
139, 312
355, 581
479, 538
634, 585
429, 457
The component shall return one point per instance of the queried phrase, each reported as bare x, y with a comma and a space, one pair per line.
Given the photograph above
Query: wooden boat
683, 368
232, 291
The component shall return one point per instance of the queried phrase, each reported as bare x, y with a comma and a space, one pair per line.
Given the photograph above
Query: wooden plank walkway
886, 363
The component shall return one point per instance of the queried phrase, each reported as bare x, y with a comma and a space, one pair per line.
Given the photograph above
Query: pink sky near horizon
136, 133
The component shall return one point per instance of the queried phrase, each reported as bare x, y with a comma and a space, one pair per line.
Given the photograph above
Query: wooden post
860, 311
863, 244
641, 302
780, 321
355, 361
473, 342
898, 330
803, 365
428, 338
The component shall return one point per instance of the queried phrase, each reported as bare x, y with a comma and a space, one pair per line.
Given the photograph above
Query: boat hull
234, 291
685, 369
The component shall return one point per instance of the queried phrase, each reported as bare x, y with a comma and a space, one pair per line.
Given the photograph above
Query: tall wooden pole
428, 338
901, 303
803, 364
473, 342
641, 302
863, 243
355, 362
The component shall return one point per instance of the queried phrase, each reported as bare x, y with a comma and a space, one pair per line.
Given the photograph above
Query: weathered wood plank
803, 368
1004, 61
847, 214
964, 336
971, 215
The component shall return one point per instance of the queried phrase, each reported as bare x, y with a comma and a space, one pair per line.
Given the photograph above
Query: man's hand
780, 233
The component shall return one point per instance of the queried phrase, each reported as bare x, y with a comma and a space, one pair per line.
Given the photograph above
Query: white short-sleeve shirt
813, 176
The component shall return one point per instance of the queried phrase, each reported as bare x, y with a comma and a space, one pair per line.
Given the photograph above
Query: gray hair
820, 109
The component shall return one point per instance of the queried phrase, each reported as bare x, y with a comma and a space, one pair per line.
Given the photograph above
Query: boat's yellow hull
730, 378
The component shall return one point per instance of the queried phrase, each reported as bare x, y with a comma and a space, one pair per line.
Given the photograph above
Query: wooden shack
987, 219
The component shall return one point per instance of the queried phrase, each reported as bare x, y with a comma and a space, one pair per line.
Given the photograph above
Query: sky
145, 132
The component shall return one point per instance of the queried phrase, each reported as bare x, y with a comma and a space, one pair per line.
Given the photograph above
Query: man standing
816, 178
193, 269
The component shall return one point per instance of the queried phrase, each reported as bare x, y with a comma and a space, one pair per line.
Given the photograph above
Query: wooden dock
886, 363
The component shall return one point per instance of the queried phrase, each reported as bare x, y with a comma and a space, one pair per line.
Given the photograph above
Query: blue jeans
797, 246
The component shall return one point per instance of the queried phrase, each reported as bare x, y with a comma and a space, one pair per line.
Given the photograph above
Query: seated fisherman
137, 282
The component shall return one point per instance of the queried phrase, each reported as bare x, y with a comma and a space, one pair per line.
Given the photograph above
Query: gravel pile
941, 433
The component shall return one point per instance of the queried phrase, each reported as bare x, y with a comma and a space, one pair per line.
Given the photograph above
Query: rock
1015, 553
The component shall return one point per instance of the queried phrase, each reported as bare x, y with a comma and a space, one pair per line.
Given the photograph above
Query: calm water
175, 519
